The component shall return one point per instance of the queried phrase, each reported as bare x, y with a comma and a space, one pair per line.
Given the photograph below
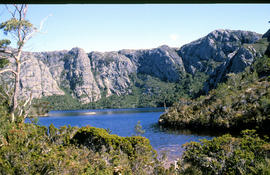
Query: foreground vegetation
27, 148
248, 154
33, 149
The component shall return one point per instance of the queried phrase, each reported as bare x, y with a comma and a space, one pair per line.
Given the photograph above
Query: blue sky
115, 27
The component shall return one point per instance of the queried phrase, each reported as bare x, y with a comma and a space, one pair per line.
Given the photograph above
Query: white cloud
174, 37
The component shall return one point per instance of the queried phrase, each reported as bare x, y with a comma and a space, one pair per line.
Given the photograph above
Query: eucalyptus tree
17, 29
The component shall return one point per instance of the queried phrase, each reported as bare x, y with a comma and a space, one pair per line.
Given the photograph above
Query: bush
248, 154
98, 139
33, 149
262, 66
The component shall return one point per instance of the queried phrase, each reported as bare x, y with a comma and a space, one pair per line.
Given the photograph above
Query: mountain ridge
92, 76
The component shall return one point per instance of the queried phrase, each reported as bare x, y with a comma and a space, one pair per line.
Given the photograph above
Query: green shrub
262, 66
98, 138
248, 154
33, 149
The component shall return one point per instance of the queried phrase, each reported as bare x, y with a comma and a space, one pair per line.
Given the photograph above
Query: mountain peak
267, 35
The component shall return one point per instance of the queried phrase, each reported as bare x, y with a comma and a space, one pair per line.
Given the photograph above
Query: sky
96, 27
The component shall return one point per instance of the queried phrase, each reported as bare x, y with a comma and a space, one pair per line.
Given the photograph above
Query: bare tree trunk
16, 87
22, 14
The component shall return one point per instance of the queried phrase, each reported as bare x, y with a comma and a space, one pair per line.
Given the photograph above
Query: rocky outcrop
77, 70
72, 71
218, 46
267, 35
219, 53
36, 79
89, 76
112, 72
235, 63
162, 62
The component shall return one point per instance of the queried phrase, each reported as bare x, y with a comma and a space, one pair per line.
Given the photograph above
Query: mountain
219, 53
91, 77
241, 102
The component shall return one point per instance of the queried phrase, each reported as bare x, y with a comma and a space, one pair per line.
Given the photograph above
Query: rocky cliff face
78, 72
112, 71
218, 46
162, 62
37, 79
90, 76
72, 72
219, 53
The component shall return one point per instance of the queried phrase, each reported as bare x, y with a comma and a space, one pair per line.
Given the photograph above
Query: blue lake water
122, 122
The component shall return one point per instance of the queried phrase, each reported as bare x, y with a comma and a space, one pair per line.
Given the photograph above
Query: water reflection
102, 112
157, 128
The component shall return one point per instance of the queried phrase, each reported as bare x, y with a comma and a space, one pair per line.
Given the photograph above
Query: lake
122, 122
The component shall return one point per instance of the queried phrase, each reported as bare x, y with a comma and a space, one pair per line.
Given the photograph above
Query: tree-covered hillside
243, 101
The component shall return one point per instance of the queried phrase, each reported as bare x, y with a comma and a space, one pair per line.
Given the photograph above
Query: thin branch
3, 96
43, 21
11, 54
20, 113
25, 10
13, 35
6, 95
27, 112
22, 8
37, 30
28, 100
19, 11
16, 6
12, 13
27, 103
8, 70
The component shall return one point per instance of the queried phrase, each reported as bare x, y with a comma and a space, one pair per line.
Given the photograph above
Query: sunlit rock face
219, 53
218, 46
91, 76
36, 79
